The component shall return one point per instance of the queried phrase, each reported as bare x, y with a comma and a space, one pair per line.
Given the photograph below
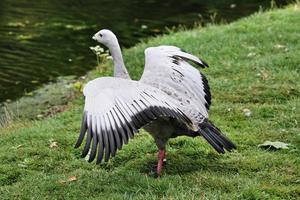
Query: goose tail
215, 137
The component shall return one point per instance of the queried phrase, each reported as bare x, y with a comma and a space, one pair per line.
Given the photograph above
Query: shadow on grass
185, 163
184, 155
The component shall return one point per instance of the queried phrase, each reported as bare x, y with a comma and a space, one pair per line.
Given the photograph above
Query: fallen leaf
53, 145
274, 145
70, 179
40, 116
247, 112
279, 46
19, 146
251, 54
264, 75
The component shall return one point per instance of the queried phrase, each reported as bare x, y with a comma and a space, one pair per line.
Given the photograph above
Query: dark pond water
43, 39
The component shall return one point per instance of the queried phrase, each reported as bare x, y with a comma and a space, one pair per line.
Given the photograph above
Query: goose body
171, 99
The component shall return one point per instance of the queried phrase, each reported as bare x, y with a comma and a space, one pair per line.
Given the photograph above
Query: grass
254, 64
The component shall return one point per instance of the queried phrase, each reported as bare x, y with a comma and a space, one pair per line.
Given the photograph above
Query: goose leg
161, 160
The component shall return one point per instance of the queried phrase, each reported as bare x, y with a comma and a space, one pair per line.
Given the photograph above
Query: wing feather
115, 112
82, 130
100, 141
114, 130
135, 118
111, 139
105, 137
168, 69
88, 139
125, 123
122, 127
95, 140
129, 120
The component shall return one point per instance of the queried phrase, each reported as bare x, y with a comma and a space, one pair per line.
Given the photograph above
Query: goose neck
119, 66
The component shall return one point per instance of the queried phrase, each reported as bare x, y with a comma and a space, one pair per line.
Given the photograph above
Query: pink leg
161, 157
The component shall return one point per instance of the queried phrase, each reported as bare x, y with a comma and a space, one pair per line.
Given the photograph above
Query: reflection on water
40, 40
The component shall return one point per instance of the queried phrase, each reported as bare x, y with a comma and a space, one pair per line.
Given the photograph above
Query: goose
171, 99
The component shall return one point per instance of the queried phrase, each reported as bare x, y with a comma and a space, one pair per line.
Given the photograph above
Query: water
40, 40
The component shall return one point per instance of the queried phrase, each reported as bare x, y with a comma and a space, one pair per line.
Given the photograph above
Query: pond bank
254, 65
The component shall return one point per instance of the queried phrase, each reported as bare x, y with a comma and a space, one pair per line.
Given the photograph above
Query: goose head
106, 37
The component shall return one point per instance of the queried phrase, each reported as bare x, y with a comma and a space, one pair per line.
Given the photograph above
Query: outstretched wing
168, 69
114, 111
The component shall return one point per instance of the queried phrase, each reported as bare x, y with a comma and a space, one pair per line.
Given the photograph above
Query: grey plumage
172, 98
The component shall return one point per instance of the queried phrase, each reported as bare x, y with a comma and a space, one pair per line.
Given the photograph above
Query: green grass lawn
254, 64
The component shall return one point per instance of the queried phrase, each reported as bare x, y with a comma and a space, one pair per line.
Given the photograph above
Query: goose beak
94, 37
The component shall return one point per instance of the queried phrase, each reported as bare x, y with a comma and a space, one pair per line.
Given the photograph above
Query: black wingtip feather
94, 146
206, 90
100, 148
82, 130
204, 63
87, 143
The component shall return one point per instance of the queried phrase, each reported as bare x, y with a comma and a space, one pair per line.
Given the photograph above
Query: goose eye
100, 34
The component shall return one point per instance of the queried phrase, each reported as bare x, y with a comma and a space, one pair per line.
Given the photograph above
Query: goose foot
155, 170
161, 156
